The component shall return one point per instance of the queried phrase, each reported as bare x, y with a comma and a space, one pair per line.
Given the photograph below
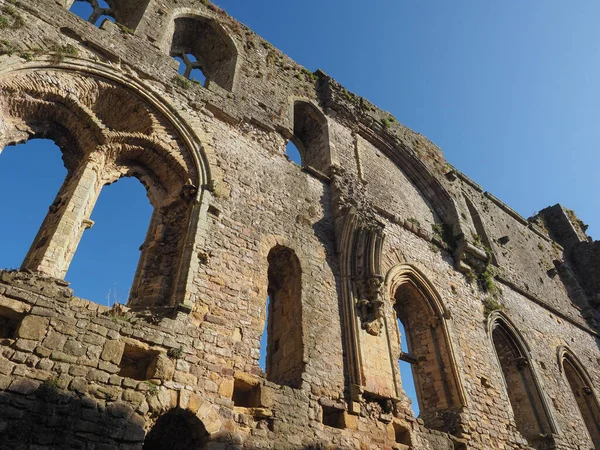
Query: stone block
226, 388
162, 368
33, 327
24, 386
113, 351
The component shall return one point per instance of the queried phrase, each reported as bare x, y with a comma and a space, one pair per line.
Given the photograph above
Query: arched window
311, 136
529, 408
420, 313
583, 393
102, 144
127, 13
177, 429
285, 343
206, 47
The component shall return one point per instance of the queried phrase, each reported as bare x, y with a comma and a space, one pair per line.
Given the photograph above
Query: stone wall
372, 227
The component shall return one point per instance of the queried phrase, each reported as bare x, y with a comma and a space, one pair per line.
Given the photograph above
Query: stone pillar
69, 216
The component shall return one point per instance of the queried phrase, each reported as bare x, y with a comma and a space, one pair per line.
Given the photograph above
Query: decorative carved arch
582, 388
186, 161
501, 329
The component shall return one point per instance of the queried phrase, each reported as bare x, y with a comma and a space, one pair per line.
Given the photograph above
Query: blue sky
509, 90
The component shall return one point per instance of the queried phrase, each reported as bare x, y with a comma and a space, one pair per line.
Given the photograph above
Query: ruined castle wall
382, 210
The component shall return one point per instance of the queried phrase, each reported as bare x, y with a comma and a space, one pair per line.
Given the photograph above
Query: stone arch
416, 302
311, 136
529, 405
216, 54
65, 104
581, 386
177, 429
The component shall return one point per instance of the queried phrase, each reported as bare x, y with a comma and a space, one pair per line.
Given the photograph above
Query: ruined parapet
564, 226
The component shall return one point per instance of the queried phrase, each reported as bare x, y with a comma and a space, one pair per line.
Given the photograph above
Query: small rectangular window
246, 395
136, 362
333, 417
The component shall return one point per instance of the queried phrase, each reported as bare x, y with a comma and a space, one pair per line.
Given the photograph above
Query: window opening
333, 417
262, 361
93, 11
584, 397
212, 49
245, 394
530, 415
424, 351
9, 322
285, 347
311, 136
406, 362
293, 153
402, 435
190, 68
35, 172
137, 363
177, 429
105, 262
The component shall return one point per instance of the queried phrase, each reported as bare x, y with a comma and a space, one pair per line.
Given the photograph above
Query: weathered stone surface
33, 327
374, 227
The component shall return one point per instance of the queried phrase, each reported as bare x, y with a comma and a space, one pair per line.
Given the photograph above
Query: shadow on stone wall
36, 416
41, 416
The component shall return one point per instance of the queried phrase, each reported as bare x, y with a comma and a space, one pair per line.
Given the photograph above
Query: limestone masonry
501, 312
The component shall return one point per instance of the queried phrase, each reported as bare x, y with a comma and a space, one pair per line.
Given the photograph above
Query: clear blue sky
509, 90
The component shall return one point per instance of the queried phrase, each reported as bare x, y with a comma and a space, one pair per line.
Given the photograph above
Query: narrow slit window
405, 363
264, 338
285, 346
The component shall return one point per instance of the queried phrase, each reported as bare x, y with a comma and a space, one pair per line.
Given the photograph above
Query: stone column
69, 216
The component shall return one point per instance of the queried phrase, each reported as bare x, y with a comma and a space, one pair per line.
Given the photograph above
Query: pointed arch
417, 304
311, 136
529, 405
156, 146
583, 391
